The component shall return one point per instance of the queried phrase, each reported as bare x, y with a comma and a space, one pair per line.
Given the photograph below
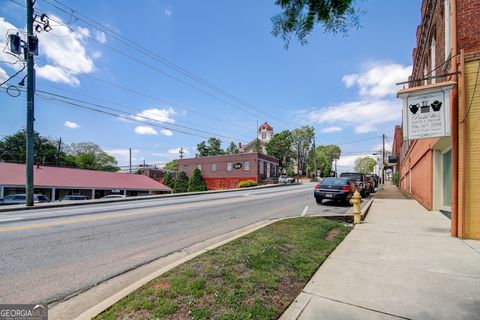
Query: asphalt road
50, 254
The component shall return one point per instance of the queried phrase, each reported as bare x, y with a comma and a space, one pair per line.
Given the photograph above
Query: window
185, 167
199, 167
214, 167
448, 31
264, 135
246, 165
229, 166
433, 47
260, 163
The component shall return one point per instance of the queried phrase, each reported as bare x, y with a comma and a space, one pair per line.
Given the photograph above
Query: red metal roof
14, 174
265, 126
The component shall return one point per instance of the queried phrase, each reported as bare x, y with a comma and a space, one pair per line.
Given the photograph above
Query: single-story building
57, 182
226, 171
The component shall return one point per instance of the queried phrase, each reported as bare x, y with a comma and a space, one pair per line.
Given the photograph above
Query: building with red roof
56, 182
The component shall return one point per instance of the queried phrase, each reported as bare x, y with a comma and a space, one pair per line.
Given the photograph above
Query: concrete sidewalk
401, 263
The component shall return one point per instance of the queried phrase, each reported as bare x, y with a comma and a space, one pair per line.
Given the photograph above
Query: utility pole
58, 150
383, 159
130, 160
315, 157
181, 152
336, 168
30, 106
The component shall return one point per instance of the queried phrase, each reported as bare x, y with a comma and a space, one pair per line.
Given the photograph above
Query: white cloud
123, 155
176, 151
101, 36
379, 80
364, 115
168, 12
3, 75
331, 129
56, 74
96, 54
162, 115
71, 125
145, 130
166, 132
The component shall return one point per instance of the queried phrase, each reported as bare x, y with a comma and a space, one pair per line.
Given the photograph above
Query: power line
87, 20
139, 61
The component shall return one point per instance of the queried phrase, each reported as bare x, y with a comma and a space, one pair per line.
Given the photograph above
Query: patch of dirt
332, 234
162, 285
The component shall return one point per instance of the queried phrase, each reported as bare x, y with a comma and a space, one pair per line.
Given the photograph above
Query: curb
56, 311
8, 208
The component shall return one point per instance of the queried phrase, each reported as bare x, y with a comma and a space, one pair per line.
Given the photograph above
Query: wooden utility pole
383, 159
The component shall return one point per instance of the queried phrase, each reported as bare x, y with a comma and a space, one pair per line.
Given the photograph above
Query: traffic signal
15, 43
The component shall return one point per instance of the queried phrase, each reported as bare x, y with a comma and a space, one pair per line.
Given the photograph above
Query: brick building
224, 172
441, 173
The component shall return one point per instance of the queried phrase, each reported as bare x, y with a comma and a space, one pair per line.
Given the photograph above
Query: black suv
361, 180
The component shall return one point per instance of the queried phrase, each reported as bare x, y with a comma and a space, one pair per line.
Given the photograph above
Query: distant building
264, 135
56, 182
225, 172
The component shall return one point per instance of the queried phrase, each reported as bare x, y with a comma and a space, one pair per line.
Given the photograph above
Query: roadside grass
254, 277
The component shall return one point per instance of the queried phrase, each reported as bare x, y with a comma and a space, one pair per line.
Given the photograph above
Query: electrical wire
13, 76
87, 20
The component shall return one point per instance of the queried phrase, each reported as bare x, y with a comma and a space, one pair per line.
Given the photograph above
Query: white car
115, 196
285, 179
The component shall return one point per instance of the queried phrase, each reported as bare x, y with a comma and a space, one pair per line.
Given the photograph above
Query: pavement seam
407, 233
470, 246
407, 268
305, 306
359, 306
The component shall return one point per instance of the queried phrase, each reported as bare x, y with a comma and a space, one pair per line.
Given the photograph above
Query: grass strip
254, 277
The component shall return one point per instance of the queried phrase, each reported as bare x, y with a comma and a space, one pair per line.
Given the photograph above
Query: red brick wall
224, 183
468, 26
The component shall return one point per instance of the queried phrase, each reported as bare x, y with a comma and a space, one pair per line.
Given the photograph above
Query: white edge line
11, 219
304, 212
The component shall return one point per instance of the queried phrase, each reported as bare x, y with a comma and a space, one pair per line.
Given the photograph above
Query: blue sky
342, 86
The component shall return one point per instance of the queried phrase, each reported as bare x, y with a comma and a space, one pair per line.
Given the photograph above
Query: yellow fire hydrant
356, 201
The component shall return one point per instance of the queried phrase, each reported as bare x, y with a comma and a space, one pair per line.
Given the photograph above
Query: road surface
48, 255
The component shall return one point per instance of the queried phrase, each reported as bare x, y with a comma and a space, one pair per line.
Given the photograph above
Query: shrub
246, 184
169, 180
290, 172
396, 178
181, 183
196, 182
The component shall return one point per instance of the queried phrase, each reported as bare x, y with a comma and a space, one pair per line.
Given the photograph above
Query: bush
169, 180
396, 178
290, 172
181, 183
196, 182
246, 184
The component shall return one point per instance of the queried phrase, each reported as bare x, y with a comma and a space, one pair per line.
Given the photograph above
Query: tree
169, 180
181, 183
213, 147
196, 182
88, 155
232, 148
301, 143
257, 146
299, 17
12, 148
324, 155
280, 146
172, 165
365, 165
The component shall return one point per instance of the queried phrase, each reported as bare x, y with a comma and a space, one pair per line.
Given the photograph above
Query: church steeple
265, 132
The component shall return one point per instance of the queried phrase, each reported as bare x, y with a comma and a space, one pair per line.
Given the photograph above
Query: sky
198, 69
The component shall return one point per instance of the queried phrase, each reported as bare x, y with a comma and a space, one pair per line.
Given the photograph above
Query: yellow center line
128, 214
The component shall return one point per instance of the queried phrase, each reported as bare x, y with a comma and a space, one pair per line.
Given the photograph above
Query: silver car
20, 199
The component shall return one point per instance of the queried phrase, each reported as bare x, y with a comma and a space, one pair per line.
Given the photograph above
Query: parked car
20, 199
361, 181
74, 198
340, 189
114, 196
285, 179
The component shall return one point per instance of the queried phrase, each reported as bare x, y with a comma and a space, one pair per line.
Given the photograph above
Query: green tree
213, 147
299, 17
172, 165
181, 183
169, 180
88, 155
232, 148
301, 144
196, 182
257, 146
12, 148
324, 155
365, 165
280, 146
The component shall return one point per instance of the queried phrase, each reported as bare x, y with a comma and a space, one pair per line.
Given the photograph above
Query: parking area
329, 207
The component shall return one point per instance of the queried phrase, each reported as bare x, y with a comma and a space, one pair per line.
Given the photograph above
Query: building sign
237, 165
426, 111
